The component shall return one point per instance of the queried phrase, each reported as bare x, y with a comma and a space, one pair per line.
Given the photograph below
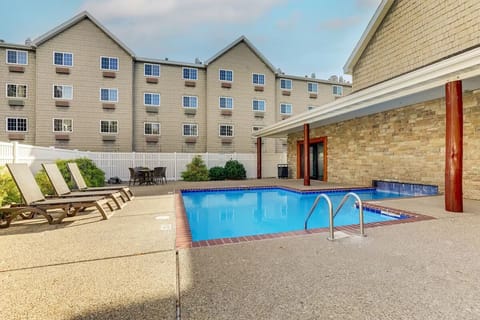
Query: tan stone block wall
28, 109
87, 43
244, 63
407, 144
415, 34
171, 114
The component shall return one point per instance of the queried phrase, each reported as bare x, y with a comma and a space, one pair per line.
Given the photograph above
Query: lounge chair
62, 190
35, 201
82, 186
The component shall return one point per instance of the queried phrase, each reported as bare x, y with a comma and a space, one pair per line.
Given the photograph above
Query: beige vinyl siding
28, 109
415, 34
243, 62
171, 114
87, 43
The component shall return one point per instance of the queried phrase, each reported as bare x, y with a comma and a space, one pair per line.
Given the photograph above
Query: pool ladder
332, 215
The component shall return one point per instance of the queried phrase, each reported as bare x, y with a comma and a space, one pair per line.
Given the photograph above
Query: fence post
208, 160
14, 151
175, 164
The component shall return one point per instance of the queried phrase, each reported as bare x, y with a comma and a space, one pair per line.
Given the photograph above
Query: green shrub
44, 183
8, 189
216, 173
235, 170
93, 176
196, 170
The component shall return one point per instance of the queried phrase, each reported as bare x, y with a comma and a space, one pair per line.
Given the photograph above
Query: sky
300, 37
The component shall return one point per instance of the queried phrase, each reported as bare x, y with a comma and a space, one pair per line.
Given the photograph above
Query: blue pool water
235, 213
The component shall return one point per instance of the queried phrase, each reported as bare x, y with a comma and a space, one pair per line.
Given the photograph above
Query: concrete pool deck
126, 267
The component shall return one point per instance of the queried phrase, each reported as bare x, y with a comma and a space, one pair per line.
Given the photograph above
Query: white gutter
463, 66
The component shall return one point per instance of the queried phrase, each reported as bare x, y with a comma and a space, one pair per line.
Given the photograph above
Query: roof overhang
417, 86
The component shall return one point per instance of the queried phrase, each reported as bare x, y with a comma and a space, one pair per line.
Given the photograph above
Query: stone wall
414, 34
406, 144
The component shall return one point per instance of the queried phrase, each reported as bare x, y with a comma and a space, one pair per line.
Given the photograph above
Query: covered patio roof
424, 84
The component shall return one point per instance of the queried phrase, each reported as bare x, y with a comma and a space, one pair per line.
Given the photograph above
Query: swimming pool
216, 214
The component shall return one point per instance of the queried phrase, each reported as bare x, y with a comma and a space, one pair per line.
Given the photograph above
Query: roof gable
367, 35
73, 21
249, 45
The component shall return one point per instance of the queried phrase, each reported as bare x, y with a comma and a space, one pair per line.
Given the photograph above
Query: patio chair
62, 190
134, 176
82, 186
35, 201
159, 174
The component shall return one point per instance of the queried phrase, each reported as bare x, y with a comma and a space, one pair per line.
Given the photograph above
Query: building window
258, 79
256, 128
285, 84
258, 105
226, 75
17, 124
62, 92
151, 129
312, 87
17, 57
16, 90
337, 90
109, 63
108, 126
62, 125
189, 73
226, 103
190, 102
151, 99
109, 95
190, 130
151, 70
285, 108
225, 130
63, 59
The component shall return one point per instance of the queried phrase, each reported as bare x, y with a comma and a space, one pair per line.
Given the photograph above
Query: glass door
317, 159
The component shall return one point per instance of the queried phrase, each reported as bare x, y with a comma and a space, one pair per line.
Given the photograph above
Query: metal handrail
360, 205
330, 211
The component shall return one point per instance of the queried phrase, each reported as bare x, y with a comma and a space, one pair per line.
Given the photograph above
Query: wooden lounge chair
62, 190
82, 186
35, 201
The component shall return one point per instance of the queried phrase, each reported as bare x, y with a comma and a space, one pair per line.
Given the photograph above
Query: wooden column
259, 158
306, 154
454, 147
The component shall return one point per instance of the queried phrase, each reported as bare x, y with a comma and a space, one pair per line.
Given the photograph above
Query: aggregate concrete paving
125, 267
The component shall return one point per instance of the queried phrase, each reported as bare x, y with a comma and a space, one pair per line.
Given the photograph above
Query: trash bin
282, 170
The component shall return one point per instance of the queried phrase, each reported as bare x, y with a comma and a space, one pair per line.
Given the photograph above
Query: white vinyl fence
116, 164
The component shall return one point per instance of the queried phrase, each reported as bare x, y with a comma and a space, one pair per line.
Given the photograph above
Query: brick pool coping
184, 237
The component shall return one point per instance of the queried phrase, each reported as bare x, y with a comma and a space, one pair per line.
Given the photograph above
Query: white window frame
226, 104
16, 118
152, 104
16, 90
189, 68
335, 90
286, 105
109, 68
63, 96
63, 125
284, 80
259, 100
109, 90
191, 125
63, 59
314, 84
258, 76
232, 129
110, 122
151, 134
226, 71
189, 99
16, 53
153, 65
